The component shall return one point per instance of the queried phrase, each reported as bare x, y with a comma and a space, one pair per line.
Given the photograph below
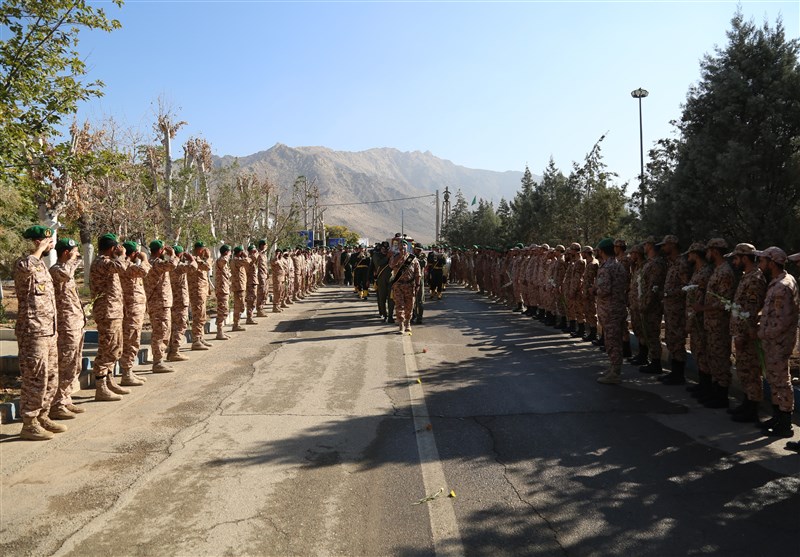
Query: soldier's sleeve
60, 274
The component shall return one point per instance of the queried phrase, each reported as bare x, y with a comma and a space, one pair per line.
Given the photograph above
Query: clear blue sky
491, 85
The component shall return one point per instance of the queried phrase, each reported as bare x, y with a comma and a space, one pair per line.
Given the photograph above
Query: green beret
130, 247
156, 245
65, 244
37, 232
198, 245
606, 243
107, 241
178, 249
224, 248
238, 249
262, 242
251, 247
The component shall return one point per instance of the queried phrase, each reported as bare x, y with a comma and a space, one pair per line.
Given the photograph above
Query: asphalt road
310, 434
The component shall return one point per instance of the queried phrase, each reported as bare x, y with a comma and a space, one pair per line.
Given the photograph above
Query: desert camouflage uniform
222, 288
253, 284
716, 321
698, 342
279, 283
108, 311
651, 297
239, 268
180, 304
404, 287
778, 333
158, 288
198, 295
750, 298
589, 300
675, 308
71, 322
135, 307
263, 279
611, 308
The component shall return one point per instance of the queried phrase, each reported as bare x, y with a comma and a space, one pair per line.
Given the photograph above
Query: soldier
263, 278
749, 300
695, 297
36, 334
251, 296
716, 321
360, 264
158, 289
406, 280
674, 310
134, 308
435, 273
419, 298
778, 333
222, 288
620, 249
346, 265
71, 322
180, 303
296, 276
197, 278
651, 300
636, 256
239, 264
108, 313
574, 292
288, 262
609, 289
278, 282
589, 302
380, 272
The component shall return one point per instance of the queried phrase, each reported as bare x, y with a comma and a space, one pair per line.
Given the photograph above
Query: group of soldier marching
126, 283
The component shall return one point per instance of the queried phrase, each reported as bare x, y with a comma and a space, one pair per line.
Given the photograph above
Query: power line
378, 201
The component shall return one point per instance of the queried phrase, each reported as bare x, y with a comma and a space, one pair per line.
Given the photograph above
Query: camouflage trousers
263, 292
223, 306
250, 299
131, 339
776, 358
590, 311
748, 369
238, 305
613, 326
575, 308
651, 329
38, 364
199, 317
403, 296
719, 350
297, 285
698, 344
638, 329
109, 346
675, 330
278, 292
180, 321
160, 321
70, 349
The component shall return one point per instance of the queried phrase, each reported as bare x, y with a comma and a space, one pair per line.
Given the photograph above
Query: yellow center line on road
446, 535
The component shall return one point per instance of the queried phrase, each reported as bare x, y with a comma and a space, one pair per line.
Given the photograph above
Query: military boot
261, 313
772, 422
592, 336
640, 358
129, 379
61, 413
204, 342
516, 309
32, 430
746, 412
101, 391
653, 367
238, 328
176, 357
114, 388
612, 376
251, 321
677, 375
702, 387
718, 398
160, 367
199, 346
580, 331
626, 348
741, 407
221, 335
50, 425
783, 426
74, 409
572, 326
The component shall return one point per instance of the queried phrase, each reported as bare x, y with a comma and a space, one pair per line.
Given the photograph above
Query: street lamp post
640, 94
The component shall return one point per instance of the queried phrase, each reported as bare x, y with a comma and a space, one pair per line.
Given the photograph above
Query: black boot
741, 407
528, 312
568, 327
718, 398
766, 424
677, 375
600, 341
641, 357
542, 315
549, 319
580, 331
783, 427
653, 367
561, 323
749, 412
626, 349
703, 385
518, 308
592, 336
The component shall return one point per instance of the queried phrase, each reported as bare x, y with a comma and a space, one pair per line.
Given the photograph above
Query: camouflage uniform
135, 306
239, 266
778, 333
71, 322
404, 287
611, 308
675, 308
716, 322
36, 336
158, 288
589, 301
253, 284
279, 282
108, 311
198, 295
750, 298
698, 341
651, 297
263, 279
222, 288
180, 305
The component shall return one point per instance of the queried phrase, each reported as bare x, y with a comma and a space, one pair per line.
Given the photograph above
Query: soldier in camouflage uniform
278, 281
263, 278
589, 302
134, 309
71, 322
251, 295
239, 265
222, 289
36, 334
636, 258
620, 252
651, 300
609, 289
197, 278
675, 310
180, 304
574, 292
695, 298
419, 298
778, 334
407, 280
749, 300
158, 289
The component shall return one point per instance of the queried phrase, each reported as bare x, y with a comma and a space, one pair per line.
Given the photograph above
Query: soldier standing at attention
575, 303
695, 297
651, 300
251, 298
239, 265
674, 310
71, 322
716, 322
180, 304
379, 269
198, 294
134, 308
158, 288
634, 304
609, 289
778, 333
405, 283
589, 302
108, 313
263, 278
297, 275
419, 297
222, 289
620, 249
278, 282
36, 336
749, 299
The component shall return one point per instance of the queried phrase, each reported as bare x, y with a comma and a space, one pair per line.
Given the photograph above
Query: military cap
696, 247
650, 240
742, 249
638, 248
605, 243
225, 248
794, 257
718, 243
130, 246
773, 252
238, 249
156, 245
262, 242
37, 232
107, 241
65, 244
620, 242
198, 245
177, 248
587, 249
668, 239
251, 247
560, 248
545, 246
575, 246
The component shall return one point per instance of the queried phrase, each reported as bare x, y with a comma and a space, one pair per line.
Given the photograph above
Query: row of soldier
126, 284
738, 302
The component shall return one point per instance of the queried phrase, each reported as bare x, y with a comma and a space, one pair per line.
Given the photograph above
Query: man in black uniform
435, 273
347, 265
380, 272
419, 305
361, 263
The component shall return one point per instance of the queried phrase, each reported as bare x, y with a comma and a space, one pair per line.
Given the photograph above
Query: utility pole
446, 208
438, 222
